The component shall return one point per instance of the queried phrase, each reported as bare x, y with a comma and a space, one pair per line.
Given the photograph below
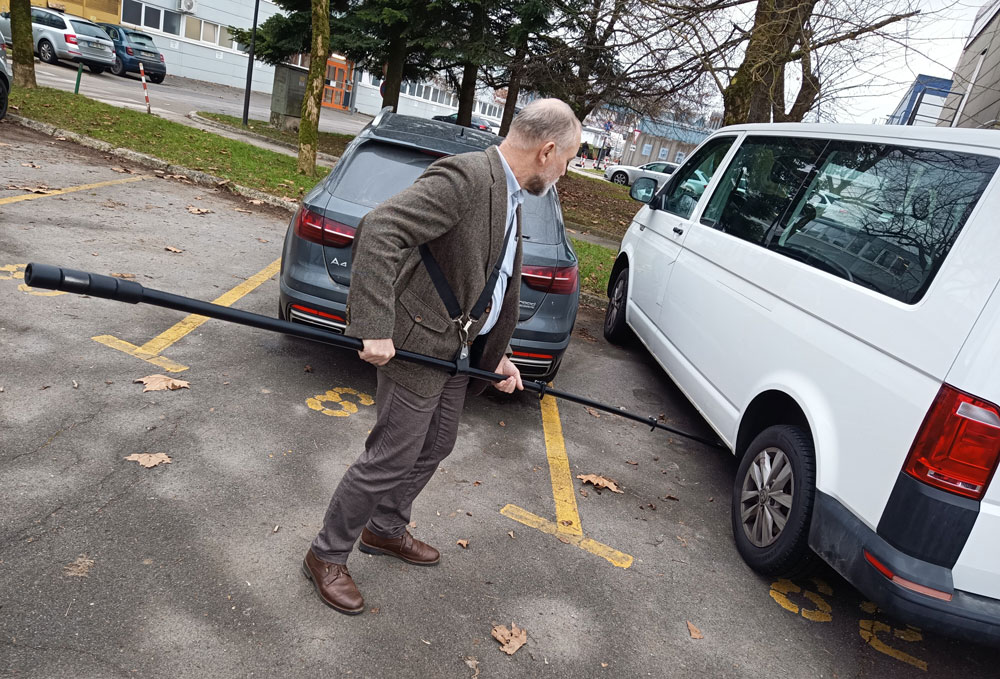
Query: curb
193, 115
196, 176
614, 242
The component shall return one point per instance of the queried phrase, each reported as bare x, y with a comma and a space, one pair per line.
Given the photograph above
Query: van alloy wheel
766, 500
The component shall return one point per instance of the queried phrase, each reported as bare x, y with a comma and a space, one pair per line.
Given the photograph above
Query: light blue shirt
515, 196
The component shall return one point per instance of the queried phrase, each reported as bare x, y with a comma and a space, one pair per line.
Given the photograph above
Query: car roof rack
381, 116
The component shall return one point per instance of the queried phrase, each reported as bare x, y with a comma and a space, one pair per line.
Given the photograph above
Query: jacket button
417, 319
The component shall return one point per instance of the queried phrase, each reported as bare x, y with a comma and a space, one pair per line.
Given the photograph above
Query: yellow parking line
567, 516
70, 189
525, 517
150, 351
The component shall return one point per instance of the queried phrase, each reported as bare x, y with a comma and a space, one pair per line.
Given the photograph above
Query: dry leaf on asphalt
631, 462
263, 240
464, 544
123, 275
600, 482
511, 639
79, 568
694, 631
161, 383
30, 165
42, 189
472, 664
170, 248
593, 412
122, 170
197, 210
254, 201
239, 209
149, 460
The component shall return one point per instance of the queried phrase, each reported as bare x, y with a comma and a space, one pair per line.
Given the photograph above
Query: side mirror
643, 190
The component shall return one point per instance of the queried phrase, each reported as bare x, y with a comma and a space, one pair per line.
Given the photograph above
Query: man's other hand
514, 377
378, 351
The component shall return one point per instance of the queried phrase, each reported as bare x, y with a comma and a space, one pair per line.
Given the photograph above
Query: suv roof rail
381, 116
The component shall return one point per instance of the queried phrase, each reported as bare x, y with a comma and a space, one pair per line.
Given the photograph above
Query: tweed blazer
458, 207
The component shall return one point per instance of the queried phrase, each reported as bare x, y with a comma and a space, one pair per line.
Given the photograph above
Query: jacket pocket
422, 313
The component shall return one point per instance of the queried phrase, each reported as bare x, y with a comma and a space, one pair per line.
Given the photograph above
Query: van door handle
678, 230
642, 227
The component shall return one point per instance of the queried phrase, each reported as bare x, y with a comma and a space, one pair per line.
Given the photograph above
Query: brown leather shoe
405, 547
333, 584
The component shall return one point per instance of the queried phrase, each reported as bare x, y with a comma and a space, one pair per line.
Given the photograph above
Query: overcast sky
934, 46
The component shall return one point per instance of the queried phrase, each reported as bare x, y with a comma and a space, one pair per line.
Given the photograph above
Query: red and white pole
142, 76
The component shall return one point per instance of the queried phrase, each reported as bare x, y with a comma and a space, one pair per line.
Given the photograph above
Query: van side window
759, 184
884, 217
688, 183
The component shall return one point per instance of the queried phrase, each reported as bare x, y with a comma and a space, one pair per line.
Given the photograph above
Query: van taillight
560, 280
958, 445
316, 228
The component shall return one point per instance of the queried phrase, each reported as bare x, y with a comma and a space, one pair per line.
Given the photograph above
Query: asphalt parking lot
191, 568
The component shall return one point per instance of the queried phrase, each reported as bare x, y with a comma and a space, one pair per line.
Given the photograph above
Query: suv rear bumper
841, 539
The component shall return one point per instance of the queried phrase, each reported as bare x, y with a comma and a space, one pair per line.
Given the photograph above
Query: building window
679, 157
131, 12
192, 28
209, 32
151, 17
376, 81
171, 22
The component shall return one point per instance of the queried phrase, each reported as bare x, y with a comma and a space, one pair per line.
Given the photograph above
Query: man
464, 211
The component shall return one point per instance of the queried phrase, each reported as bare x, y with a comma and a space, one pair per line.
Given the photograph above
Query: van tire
786, 553
616, 330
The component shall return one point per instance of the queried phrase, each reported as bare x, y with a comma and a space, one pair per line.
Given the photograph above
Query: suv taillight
70, 39
958, 445
559, 280
316, 228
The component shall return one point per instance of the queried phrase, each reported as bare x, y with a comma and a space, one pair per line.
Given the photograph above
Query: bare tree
24, 58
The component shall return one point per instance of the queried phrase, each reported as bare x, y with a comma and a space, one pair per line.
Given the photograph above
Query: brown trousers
411, 436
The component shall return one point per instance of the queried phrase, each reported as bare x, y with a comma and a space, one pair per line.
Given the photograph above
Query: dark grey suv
385, 158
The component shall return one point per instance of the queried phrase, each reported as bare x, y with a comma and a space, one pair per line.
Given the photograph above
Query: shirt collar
513, 188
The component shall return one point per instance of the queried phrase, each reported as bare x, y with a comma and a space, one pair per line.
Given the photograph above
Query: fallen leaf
562, 539
308, 369
511, 639
604, 664
477, 483
222, 183
511, 534
472, 664
254, 201
30, 165
374, 611
694, 631
502, 423
263, 240
631, 462
593, 412
671, 497
170, 248
275, 530
149, 460
239, 209
123, 275
464, 544
42, 189
79, 568
426, 642
600, 482
75, 385
566, 522
197, 210
161, 383
121, 170
584, 493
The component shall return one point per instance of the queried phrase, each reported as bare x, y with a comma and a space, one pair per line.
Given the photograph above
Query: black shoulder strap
445, 291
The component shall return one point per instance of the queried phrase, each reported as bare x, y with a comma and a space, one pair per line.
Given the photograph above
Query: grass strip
237, 161
595, 264
596, 203
329, 142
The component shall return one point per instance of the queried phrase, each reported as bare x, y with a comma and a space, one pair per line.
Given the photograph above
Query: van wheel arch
769, 408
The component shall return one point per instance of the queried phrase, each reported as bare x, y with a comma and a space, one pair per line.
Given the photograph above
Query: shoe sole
368, 549
346, 611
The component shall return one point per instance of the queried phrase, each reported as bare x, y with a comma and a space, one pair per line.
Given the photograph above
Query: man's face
551, 163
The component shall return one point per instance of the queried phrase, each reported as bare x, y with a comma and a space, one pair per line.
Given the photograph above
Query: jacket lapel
498, 207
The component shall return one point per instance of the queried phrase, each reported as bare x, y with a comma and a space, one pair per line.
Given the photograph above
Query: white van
826, 296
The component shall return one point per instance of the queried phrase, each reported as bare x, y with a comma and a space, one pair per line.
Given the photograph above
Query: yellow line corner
525, 517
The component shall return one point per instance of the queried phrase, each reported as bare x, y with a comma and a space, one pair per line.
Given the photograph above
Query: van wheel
773, 499
615, 329
620, 178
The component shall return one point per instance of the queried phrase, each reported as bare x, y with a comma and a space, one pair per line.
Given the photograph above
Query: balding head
545, 120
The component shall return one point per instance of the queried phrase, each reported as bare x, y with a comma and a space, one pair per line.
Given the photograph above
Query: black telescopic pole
96, 285
253, 40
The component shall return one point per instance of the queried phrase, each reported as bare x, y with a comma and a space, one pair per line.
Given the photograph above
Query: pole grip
51, 277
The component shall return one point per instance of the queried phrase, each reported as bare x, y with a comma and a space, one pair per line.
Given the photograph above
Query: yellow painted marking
823, 611
16, 272
567, 516
869, 631
344, 408
150, 351
70, 189
40, 293
525, 517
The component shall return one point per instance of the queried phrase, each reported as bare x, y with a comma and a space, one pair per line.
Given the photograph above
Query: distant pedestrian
455, 232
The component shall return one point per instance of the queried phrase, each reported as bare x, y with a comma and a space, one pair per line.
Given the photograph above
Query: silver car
627, 174
6, 77
64, 36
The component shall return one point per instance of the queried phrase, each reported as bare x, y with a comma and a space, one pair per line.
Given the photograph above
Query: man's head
542, 140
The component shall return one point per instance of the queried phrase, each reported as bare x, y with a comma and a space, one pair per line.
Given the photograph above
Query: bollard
79, 74
142, 76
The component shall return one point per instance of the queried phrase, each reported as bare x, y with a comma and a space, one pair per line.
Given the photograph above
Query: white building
425, 99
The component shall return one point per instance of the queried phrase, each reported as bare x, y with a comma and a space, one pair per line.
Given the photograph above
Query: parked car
64, 36
6, 77
627, 174
316, 259
132, 48
847, 356
477, 122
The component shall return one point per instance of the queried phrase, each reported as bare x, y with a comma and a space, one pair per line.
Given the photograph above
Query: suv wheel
95, 69
620, 178
772, 501
46, 52
615, 329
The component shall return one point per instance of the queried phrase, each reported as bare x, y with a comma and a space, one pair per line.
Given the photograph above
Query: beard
536, 185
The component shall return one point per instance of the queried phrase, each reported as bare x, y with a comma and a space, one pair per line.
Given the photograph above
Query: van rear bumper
841, 539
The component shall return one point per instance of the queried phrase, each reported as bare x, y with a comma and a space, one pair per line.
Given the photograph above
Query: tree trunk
24, 47
394, 72
513, 89
320, 50
467, 94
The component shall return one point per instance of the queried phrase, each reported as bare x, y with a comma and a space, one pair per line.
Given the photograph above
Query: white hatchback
826, 296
